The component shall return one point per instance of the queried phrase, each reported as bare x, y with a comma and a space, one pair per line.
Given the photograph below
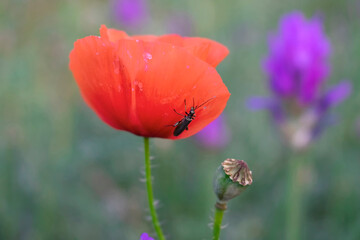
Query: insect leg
173, 125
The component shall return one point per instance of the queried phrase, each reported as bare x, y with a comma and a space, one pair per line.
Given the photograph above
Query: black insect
183, 124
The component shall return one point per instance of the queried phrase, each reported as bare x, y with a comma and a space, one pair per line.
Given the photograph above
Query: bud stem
219, 213
149, 189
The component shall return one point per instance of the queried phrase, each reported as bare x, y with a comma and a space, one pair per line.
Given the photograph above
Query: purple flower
130, 12
297, 66
145, 236
215, 135
298, 58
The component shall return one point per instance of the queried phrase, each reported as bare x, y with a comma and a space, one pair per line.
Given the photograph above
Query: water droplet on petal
140, 85
147, 56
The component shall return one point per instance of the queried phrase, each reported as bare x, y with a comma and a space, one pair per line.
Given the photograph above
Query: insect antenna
204, 103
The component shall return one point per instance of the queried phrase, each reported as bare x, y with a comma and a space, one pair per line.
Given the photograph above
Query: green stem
219, 213
294, 197
149, 189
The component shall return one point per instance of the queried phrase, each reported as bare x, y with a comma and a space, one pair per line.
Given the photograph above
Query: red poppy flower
135, 83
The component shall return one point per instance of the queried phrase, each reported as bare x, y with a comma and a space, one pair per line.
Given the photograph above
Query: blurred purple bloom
297, 65
145, 236
334, 96
130, 12
267, 103
180, 23
298, 58
215, 135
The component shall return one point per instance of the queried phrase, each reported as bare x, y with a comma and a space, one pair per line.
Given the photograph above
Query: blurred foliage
64, 174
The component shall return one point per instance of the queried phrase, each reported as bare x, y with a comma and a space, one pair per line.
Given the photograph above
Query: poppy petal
169, 76
207, 50
95, 65
113, 35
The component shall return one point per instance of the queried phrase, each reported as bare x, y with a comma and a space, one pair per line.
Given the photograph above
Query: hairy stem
219, 213
149, 189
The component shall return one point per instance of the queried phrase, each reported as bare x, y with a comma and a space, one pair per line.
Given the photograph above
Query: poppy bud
231, 178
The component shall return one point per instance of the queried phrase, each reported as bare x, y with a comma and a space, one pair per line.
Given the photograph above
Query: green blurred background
64, 174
